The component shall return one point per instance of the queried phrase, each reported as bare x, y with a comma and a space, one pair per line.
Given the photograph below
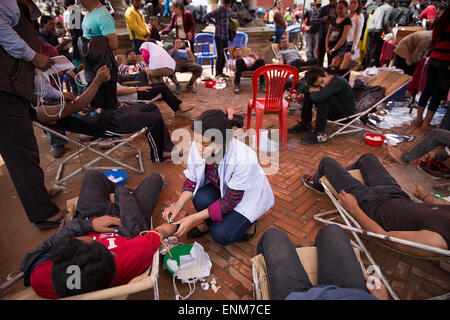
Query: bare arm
50, 114
327, 38
112, 40
343, 39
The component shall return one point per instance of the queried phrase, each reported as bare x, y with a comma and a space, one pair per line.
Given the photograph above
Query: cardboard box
401, 32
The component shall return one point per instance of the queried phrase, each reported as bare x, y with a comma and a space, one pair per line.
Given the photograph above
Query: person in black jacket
83, 242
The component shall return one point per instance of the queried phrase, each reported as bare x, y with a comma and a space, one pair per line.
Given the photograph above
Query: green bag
232, 29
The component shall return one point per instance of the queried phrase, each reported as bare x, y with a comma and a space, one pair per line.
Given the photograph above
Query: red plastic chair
276, 77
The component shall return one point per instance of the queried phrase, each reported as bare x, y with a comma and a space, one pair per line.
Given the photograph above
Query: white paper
61, 64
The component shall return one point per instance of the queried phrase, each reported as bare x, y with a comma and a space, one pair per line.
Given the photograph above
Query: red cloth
428, 13
133, 257
387, 52
441, 49
419, 78
145, 55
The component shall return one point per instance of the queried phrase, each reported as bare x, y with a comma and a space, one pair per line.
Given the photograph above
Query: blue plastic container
117, 176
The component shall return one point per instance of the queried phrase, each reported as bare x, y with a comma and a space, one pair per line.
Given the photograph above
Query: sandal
44, 225
196, 233
248, 236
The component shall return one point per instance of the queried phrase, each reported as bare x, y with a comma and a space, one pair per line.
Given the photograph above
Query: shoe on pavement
300, 128
58, 151
314, 138
309, 183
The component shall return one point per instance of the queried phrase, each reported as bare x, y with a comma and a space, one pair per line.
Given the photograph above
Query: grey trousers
436, 137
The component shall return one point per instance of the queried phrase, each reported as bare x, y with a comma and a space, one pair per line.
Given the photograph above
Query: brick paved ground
293, 212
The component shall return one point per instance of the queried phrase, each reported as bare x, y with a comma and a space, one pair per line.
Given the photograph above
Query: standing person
312, 28
378, 24
411, 49
429, 14
354, 34
438, 71
18, 147
227, 185
288, 17
73, 24
326, 14
137, 28
96, 25
183, 22
335, 43
221, 20
278, 19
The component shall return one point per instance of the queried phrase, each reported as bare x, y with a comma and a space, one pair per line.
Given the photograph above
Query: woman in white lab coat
227, 185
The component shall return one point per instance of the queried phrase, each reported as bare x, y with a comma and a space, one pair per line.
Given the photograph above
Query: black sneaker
58, 151
314, 138
236, 89
299, 128
308, 182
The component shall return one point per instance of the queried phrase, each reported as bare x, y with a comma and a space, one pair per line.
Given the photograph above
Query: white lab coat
239, 170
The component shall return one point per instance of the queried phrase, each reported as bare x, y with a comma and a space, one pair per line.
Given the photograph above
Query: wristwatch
176, 204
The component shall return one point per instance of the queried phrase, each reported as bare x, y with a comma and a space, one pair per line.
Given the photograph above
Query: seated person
107, 123
133, 70
160, 63
333, 97
240, 64
149, 92
103, 239
291, 56
380, 205
48, 35
185, 62
433, 166
340, 275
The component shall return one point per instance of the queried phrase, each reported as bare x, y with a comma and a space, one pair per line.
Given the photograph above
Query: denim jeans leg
284, 269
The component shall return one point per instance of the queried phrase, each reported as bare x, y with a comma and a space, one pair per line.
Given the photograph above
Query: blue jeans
234, 225
312, 43
278, 34
56, 140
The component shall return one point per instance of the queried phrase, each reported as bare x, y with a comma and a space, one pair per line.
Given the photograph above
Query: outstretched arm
50, 114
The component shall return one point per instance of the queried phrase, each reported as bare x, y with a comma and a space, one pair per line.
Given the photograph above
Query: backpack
232, 29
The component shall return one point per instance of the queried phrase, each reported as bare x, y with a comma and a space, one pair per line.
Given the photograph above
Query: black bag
367, 96
96, 53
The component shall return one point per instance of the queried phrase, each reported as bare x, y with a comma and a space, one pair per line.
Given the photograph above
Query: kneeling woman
227, 185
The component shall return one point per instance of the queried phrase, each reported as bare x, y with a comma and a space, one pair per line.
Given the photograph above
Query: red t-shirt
133, 257
428, 13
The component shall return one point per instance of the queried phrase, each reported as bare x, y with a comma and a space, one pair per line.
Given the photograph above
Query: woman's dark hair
178, 4
345, 3
441, 25
218, 120
358, 10
313, 74
95, 263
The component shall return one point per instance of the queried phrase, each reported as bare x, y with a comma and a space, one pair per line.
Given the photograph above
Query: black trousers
321, 49
161, 88
377, 179
374, 47
19, 150
94, 201
241, 67
329, 109
220, 63
126, 121
400, 63
337, 262
140, 76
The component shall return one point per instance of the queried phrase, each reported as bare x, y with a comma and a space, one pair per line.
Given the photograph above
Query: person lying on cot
227, 185
380, 205
103, 241
340, 276
107, 123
